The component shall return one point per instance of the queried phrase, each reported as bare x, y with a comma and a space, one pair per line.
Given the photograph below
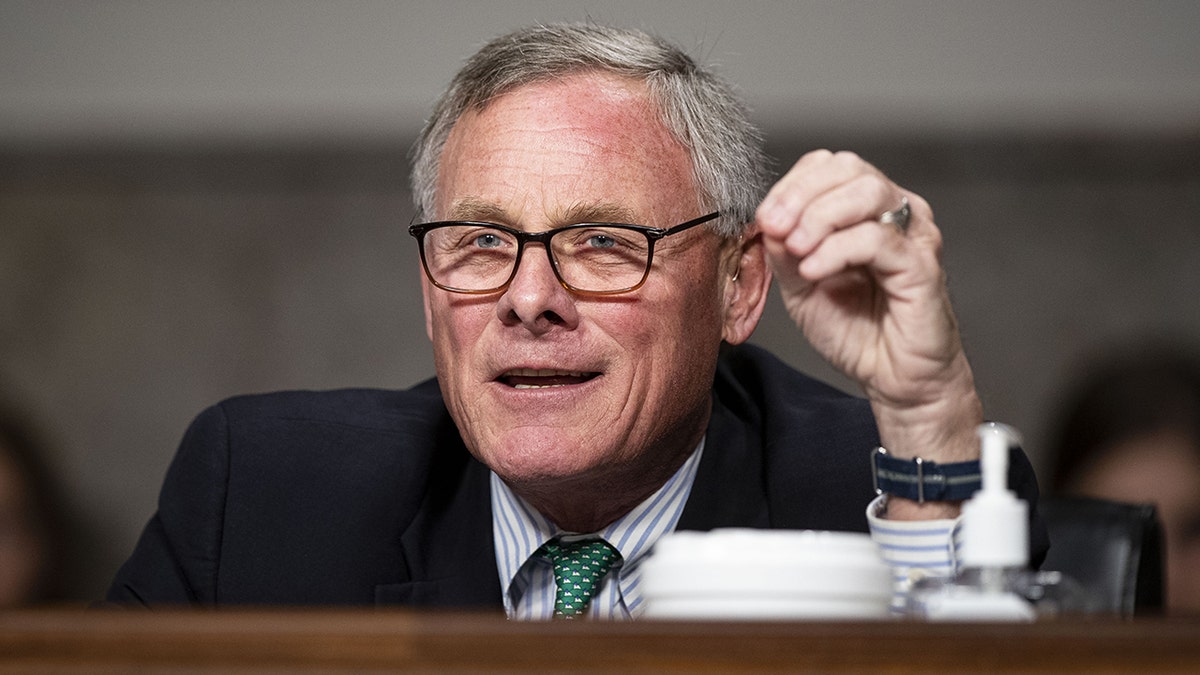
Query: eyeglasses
587, 258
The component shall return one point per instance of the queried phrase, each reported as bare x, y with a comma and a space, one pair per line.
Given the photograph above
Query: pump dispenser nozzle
995, 522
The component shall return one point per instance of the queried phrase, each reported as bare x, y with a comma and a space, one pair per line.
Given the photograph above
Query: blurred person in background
1129, 431
34, 520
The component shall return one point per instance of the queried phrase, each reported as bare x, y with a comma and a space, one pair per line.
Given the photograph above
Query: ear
746, 287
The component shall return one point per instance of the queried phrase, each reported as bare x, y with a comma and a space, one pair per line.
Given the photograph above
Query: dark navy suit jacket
359, 497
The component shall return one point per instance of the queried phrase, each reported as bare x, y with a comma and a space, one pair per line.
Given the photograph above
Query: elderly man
597, 247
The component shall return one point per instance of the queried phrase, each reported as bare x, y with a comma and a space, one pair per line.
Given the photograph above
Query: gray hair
700, 109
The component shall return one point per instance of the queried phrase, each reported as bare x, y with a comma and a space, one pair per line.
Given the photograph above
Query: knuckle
875, 187
847, 158
818, 155
936, 242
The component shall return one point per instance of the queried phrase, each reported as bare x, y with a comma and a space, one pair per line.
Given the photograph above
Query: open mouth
540, 378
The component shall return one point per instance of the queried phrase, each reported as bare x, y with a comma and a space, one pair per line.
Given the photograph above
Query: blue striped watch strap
922, 480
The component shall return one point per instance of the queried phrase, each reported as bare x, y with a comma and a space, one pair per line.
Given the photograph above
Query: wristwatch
923, 480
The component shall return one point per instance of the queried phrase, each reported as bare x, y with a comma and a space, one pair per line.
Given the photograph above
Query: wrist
941, 430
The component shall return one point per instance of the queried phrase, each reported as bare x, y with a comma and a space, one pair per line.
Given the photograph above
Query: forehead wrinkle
476, 209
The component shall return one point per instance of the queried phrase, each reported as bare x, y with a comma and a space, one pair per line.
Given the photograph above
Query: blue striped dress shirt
913, 549
528, 580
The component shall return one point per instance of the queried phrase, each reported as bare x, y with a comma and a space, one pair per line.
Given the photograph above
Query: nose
534, 298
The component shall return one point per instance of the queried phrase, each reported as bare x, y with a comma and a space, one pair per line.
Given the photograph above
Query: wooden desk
342, 640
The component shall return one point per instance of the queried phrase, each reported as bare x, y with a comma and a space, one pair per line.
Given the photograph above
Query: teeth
541, 378
544, 372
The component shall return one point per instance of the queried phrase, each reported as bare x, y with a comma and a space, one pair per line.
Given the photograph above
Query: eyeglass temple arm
691, 223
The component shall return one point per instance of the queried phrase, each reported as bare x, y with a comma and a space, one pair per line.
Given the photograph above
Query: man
590, 384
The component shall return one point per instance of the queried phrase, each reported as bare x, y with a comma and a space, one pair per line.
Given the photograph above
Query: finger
857, 201
813, 174
881, 249
920, 221
784, 266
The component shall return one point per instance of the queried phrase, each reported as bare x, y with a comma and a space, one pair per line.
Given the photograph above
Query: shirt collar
519, 529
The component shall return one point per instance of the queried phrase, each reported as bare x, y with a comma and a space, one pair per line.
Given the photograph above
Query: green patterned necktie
578, 568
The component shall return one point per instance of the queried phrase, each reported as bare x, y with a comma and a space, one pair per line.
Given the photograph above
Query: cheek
683, 331
454, 331
704, 310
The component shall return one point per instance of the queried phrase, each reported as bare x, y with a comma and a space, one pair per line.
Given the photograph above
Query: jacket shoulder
759, 386
814, 439
296, 497
382, 410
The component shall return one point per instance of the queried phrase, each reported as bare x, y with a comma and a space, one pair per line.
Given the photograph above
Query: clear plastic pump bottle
995, 583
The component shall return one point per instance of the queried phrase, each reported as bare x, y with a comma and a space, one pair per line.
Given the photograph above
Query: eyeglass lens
595, 258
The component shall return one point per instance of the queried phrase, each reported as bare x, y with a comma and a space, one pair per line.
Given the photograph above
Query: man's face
548, 387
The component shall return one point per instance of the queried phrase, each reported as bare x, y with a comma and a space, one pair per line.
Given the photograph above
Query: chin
541, 458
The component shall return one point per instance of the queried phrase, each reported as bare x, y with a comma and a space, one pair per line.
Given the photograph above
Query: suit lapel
729, 490
448, 548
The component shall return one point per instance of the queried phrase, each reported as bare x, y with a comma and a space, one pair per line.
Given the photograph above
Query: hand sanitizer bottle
995, 583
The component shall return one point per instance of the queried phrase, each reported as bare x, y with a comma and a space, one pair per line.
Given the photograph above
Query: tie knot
579, 567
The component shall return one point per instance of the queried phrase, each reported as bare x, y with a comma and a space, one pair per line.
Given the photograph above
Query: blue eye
488, 240
601, 241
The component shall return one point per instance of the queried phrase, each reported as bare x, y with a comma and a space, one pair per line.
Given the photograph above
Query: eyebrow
471, 208
598, 213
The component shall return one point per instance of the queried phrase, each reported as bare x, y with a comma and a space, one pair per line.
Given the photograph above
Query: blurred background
200, 199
